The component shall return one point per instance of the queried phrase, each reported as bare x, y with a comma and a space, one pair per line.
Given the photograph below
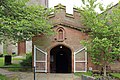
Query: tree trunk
104, 70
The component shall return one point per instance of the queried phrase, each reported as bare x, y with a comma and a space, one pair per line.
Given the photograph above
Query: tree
104, 32
20, 21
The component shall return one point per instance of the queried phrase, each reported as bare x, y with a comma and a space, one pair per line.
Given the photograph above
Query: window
60, 34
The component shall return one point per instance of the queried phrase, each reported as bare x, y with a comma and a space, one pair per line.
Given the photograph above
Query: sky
71, 3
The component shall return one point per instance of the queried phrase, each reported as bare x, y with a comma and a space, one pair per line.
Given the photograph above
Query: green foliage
115, 75
100, 51
14, 67
13, 59
104, 32
84, 73
28, 61
3, 77
20, 21
1, 61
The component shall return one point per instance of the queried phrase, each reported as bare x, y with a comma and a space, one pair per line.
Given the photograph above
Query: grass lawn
3, 77
1, 61
17, 60
83, 73
15, 66
116, 75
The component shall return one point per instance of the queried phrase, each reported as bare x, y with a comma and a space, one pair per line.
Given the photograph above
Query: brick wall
71, 25
22, 48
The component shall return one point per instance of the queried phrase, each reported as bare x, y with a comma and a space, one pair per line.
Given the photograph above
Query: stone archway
60, 59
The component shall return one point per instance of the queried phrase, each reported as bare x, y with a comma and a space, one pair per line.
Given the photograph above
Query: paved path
9, 74
39, 76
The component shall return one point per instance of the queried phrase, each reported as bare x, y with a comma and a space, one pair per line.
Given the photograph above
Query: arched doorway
60, 59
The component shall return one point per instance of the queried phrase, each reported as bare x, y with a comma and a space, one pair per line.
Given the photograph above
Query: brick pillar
22, 48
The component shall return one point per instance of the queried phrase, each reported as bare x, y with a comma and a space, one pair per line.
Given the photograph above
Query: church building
61, 52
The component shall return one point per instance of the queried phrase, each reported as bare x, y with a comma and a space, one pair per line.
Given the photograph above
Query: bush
27, 63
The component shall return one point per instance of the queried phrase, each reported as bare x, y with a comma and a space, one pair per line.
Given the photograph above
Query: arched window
60, 34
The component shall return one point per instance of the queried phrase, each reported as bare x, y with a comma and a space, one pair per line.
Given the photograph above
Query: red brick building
62, 52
